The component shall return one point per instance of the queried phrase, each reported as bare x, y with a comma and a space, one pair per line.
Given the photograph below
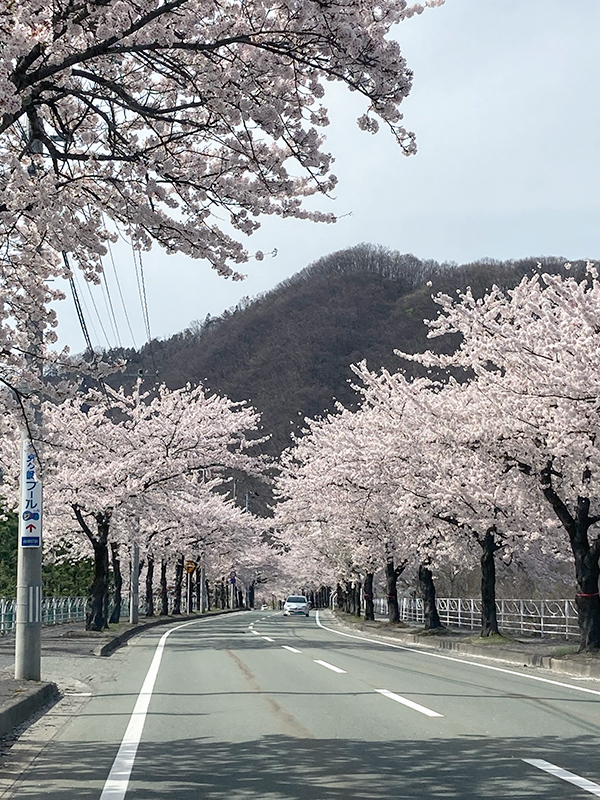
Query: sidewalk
554, 654
63, 646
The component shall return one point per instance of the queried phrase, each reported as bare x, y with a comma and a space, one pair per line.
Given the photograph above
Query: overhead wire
93, 299
110, 308
77, 303
118, 282
141, 284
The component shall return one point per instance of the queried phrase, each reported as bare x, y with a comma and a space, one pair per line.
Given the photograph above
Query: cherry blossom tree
110, 465
171, 121
534, 353
342, 488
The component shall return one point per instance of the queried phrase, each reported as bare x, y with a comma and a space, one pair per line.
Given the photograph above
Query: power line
108, 344
77, 303
109, 307
121, 295
141, 283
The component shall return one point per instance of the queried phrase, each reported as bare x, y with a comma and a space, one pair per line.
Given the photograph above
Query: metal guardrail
538, 617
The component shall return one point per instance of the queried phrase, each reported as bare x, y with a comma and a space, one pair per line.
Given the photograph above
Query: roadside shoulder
514, 652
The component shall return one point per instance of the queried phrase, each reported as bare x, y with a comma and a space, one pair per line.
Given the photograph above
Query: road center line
565, 775
329, 666
268, 639
117, 782
291, 649
405, 702
424, 652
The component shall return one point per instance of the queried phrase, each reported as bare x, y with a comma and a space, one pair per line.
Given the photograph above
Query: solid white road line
399, 699
563, 774
424, 652
291, 649
329, 666
268, 639
117, 782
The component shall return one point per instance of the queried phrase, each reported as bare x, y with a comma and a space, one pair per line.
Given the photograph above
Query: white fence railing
541, 617
54, 611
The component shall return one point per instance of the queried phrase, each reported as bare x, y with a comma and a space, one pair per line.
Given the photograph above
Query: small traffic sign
189, 567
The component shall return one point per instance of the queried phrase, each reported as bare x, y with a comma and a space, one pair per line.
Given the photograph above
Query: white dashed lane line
405, 702
291, 649
329, 666
268, 639
565, 775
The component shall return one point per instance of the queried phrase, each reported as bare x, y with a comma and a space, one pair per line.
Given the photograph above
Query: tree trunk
427, 591
178, 585
368, 595
164, 594
97, 610
391, 580
489, 620
586, 557
199, 589
150, 586
118, 579
208, 595
587, 572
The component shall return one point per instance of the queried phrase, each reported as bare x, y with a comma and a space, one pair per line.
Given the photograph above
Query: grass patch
490, 641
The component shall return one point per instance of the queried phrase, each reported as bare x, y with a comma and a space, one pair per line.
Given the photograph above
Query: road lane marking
291, 649
460, 660
329, 666
405, 702
563, 774
117, 782
256, 633
268, 639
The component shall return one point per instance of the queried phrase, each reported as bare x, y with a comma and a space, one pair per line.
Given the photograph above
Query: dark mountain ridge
289, 350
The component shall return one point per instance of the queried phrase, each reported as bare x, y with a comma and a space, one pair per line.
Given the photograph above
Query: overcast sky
505, 105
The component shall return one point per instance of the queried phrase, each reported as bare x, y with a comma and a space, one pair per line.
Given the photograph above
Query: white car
296, 604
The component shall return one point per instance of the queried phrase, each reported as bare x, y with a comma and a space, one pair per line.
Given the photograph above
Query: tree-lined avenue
236, 715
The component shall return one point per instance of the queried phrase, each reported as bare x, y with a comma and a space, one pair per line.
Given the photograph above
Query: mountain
289, 351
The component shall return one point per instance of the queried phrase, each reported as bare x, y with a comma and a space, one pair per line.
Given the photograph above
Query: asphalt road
255, 705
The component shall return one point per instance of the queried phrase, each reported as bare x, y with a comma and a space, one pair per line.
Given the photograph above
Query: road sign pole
28, 633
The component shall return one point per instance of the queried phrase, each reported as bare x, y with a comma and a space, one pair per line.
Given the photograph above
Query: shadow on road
286, 768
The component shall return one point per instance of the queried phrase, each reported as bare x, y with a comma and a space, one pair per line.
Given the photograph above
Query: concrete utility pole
134, 585
28, 634
28, 630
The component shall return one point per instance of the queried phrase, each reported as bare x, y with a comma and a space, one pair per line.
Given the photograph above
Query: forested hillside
289, 351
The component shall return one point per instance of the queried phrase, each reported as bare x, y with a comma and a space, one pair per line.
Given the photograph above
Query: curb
17, 710
113, 644
565, 666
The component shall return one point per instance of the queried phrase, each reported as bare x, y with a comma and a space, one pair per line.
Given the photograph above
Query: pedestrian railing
538, 617
54, 611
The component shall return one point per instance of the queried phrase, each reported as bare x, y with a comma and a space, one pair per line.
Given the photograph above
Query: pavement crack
291, 726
